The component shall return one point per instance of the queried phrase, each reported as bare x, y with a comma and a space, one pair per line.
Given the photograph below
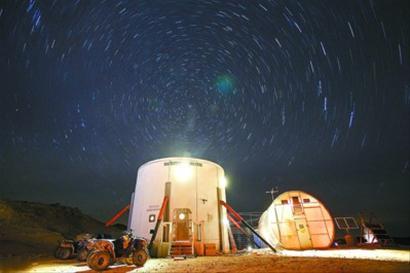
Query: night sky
309, 95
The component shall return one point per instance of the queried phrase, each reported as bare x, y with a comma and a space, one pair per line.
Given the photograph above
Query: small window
151, 218
297, 206
295, 200
306, 200
284, 202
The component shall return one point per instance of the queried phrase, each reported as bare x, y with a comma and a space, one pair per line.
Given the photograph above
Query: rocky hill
35, 228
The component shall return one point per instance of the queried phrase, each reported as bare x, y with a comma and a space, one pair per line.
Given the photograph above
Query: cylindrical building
194, 222
297, 220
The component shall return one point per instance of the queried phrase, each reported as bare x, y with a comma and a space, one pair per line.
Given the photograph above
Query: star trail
309, 95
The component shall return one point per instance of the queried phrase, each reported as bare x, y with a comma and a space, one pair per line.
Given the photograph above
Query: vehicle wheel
129, 260
82, 254
63, 253
57, 254
139, 257
98, 260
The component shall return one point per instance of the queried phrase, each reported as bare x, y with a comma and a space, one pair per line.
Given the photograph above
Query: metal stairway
181, 248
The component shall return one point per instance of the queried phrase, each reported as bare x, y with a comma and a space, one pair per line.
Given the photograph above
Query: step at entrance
181, 248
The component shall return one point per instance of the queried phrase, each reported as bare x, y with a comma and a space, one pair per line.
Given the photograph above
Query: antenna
272, 192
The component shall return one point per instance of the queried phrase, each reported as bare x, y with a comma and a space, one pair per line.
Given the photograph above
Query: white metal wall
196, 191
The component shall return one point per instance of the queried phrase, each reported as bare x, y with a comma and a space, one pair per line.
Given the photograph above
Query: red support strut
237, 225
232, 211
117, 215
241, 220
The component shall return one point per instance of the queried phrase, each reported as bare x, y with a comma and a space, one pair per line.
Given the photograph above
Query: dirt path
248, 263
268, 263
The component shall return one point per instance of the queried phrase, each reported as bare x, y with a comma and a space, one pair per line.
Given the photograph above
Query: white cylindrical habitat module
297, 220
193, 217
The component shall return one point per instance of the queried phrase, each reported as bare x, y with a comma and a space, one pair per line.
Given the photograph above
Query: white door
303, 233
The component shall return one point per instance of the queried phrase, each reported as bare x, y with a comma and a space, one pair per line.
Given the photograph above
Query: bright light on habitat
183, 171
223, 183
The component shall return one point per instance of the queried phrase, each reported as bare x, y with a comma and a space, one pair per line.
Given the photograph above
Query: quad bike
74, 248
70, 248
129, 250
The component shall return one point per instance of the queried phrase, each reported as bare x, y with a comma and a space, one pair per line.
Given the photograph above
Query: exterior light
181, 216
183, 172
223, 183
225, 221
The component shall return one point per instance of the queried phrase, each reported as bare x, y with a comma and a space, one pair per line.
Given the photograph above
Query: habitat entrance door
181, 225
301, 224
303, 233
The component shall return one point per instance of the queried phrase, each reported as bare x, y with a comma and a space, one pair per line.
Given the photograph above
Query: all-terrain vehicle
73, 248
127, 249
77, 247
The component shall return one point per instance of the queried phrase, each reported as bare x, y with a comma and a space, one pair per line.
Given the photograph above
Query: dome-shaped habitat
297, 220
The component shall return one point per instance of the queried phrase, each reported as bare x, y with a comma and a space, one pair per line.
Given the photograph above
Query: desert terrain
30, 228
253, 262
30, 232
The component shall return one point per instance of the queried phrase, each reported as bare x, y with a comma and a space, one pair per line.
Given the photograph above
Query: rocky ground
34, 229
255, 262
29, 233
